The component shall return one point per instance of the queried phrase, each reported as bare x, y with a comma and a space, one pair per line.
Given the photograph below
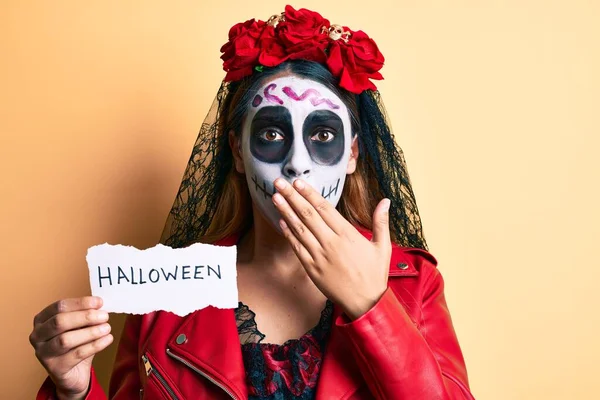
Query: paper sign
183, 280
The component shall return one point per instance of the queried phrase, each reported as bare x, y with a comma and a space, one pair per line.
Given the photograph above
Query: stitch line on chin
325, 193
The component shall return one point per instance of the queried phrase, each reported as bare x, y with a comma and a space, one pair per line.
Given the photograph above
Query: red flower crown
351, 56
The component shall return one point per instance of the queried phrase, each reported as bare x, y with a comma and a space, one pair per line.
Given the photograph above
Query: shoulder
417, 264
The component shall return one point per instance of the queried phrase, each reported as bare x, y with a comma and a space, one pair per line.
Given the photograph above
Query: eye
271, 135
323, 136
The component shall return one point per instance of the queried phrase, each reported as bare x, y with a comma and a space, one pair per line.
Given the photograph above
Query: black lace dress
289, 370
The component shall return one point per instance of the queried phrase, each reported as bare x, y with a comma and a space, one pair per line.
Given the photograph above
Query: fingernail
277, 198
299, 184
96, 302
104, 329
106, 339
386, 204
102, 316
280, 184
282, 224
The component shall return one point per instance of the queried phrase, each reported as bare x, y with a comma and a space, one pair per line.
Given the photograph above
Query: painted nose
298, 165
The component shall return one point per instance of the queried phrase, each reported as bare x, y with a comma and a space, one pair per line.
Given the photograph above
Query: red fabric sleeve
401, 360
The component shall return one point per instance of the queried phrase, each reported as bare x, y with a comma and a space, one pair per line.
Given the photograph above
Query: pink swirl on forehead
272, 97
315, 100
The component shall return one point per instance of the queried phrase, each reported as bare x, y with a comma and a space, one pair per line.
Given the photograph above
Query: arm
402, 361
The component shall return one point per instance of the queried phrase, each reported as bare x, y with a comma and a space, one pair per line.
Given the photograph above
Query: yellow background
494, 102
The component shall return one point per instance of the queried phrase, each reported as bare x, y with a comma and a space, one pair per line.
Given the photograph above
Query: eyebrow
324, 117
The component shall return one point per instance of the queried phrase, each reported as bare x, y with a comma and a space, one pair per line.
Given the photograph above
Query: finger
64, 322
326, 210
304, 235
301, 252
67, 341
381, 223
304, 210
75, 356
67, 305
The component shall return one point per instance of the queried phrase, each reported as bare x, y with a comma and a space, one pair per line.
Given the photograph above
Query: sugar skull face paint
295, 128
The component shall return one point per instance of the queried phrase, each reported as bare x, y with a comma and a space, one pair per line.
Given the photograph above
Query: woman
339, 298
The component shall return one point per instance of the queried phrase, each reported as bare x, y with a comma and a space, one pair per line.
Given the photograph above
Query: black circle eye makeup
323, 133
271, 134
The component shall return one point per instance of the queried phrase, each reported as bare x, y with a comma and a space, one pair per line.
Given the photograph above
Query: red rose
302, 26
367, 54
272, 52
310, 50
236, 32
335, 59
355, 62
241, 52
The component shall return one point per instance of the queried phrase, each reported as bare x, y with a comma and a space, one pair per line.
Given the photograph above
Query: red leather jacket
402, 348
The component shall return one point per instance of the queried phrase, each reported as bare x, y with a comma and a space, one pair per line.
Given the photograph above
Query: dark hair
213, 200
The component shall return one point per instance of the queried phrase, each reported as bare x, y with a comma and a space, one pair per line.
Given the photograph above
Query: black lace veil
202, 182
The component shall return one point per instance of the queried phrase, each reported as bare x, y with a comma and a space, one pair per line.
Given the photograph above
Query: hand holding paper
66, 335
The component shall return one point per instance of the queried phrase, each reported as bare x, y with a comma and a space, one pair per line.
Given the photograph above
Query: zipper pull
147, 364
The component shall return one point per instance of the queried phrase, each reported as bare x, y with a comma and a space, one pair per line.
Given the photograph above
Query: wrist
361, 306
69, 395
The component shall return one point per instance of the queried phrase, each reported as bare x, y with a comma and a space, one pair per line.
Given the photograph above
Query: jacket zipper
151, 370
192, 367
